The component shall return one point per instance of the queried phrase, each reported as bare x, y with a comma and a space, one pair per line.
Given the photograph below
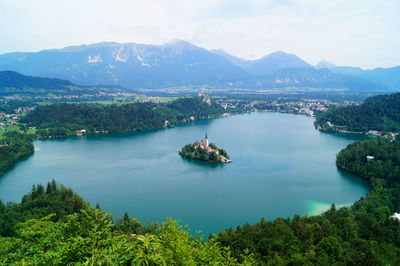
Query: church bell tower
206, 141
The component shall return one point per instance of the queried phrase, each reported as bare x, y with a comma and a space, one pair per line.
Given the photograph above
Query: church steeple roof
206, 136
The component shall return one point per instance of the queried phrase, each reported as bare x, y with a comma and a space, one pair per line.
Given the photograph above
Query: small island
204, 151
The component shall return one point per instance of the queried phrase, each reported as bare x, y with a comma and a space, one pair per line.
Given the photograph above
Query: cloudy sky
363, 33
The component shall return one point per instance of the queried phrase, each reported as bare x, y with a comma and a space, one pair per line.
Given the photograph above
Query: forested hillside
376, 113
13, 147
63, 119
384, 163
55, 226
40, 202
12, 83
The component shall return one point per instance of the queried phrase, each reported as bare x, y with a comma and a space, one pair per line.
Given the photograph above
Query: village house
80, 132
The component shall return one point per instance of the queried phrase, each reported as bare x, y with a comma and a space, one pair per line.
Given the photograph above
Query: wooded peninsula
378, 113
62, 119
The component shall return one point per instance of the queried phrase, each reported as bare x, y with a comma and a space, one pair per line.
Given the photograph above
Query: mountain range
181, 63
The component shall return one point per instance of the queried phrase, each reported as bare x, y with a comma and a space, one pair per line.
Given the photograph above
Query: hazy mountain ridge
12, 83
388, 77
318, 78
237, 61
181, 63
267, 64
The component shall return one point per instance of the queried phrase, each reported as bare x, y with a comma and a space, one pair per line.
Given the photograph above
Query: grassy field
31, 131
8, 129
15, 128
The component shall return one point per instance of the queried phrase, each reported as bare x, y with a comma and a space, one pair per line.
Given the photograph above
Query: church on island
205, 145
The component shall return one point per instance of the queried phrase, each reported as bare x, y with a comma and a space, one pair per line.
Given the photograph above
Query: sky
362, 33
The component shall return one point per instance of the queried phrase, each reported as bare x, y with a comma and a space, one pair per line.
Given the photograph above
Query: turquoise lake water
281, 166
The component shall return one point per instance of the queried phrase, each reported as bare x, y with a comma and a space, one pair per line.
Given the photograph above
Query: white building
369, 158
396, 216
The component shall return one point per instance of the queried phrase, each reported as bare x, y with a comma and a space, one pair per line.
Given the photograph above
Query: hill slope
15, 83
376, 113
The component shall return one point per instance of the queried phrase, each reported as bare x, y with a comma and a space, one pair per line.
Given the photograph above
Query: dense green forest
190, 151
385, 163
14, 146
363, 234
40, 202
55, 226
63, 119
376, 113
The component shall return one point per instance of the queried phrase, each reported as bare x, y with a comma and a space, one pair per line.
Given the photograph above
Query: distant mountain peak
325, 64
179, 47
275, 61
178, 42
279, 52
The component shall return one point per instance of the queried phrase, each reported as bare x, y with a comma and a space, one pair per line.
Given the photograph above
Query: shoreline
110, 134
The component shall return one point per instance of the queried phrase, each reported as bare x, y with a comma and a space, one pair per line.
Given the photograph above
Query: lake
281, 166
